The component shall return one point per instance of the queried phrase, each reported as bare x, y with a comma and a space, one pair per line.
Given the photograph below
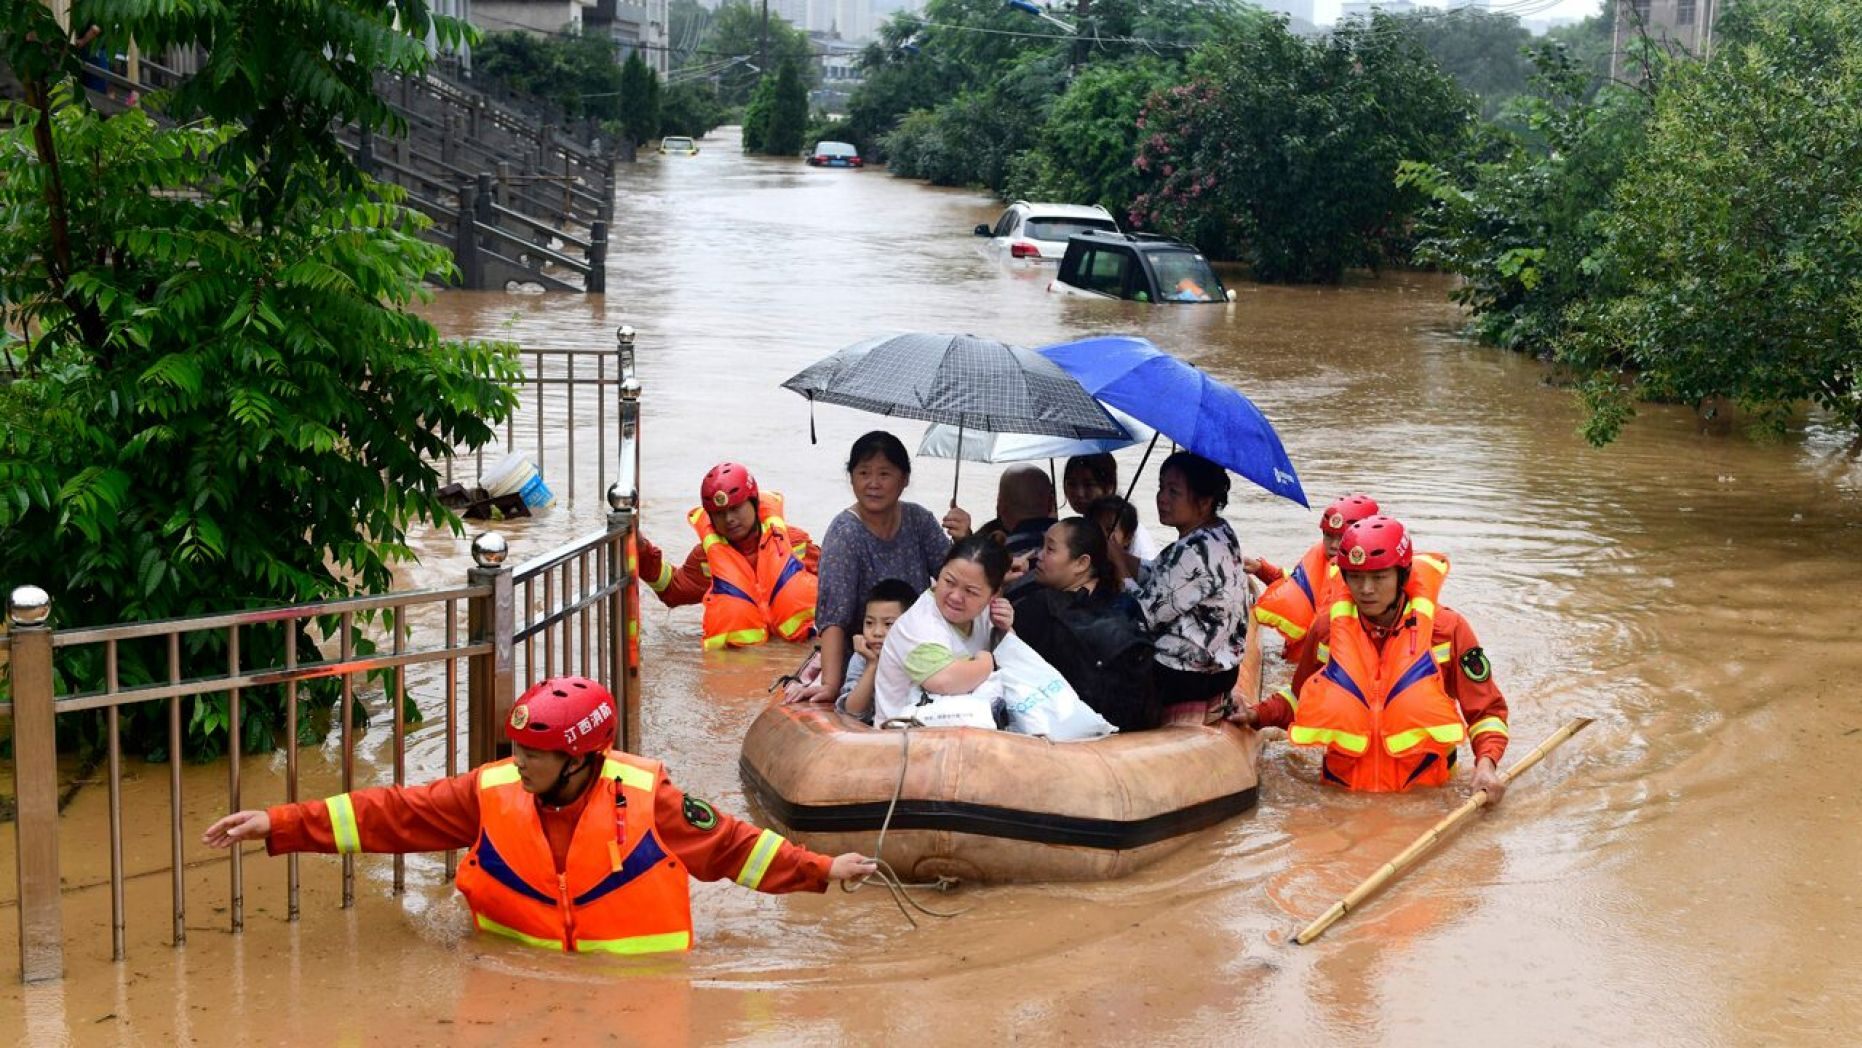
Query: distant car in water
1139, 267
677, 145
835, 154
1039, 232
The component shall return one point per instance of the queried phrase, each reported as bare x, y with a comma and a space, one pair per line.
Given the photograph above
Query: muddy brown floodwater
1684, 872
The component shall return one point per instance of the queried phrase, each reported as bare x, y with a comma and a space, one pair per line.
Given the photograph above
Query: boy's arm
433, 817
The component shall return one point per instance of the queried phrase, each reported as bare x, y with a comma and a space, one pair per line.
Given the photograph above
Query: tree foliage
577, 74
1734, 238
736, 31
1522, 227
689, 107
222, 398
640, 99
1083, 152
1283, 151
1484, 51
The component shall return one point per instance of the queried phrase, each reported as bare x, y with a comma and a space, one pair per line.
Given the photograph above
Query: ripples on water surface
1682, 873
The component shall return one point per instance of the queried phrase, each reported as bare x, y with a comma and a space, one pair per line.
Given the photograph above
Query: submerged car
1039, 232
1139, 267
677, 145
834, 154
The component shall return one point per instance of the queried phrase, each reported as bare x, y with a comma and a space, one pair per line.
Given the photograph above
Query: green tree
1483, 51
1736, 233
222, 397
577, 74
1085, 148
689, 107
788, 111
1522, 227
640, 99
736, 32
757, 115
1284, 151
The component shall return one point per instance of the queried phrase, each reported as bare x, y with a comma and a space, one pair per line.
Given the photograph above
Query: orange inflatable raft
995, 806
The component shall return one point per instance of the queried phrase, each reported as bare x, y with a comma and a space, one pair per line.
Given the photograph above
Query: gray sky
1327, 10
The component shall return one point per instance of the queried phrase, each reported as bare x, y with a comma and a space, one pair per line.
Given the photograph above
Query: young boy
884, 604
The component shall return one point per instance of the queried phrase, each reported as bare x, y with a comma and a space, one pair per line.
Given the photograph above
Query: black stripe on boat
987, 820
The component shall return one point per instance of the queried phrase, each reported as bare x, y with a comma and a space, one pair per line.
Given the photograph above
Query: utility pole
1080, 11
762, 58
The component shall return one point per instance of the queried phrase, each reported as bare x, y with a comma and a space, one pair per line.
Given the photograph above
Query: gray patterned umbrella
962, 380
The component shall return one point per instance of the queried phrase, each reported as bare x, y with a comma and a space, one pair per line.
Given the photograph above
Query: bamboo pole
1434, 834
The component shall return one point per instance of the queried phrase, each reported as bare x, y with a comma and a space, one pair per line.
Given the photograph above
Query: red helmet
572, 715
1374, 543
1346, 512
728, 484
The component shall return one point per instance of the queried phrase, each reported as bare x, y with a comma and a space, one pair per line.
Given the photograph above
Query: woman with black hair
1196, 597
942, 646
1078, 620
878, 537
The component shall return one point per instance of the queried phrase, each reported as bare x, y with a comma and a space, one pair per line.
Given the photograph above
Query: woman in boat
1196, 597
1077, 619
878, 537
1090, 478
942, 645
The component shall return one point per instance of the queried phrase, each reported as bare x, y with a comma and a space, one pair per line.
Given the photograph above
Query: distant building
644, 26
1363, 8
538, 17
1684, 26
1300, 9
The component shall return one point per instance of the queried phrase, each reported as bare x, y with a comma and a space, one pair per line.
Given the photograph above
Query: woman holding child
878, 537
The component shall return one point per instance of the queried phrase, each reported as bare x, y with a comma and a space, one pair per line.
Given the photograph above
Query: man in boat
1391, 683
753, 571
1293, 600
574, 846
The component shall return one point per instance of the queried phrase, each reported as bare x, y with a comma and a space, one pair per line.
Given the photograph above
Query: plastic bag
1040, 701
972, 709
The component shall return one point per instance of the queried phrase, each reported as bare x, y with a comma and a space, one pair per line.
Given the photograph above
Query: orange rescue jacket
746, 602
1384, 715
620, 891
1293, 601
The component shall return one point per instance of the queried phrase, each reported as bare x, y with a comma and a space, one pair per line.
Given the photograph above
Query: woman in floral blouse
1195, 598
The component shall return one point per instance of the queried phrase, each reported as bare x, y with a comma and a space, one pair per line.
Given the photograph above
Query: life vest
1292, 603
621, 890
1386, 717
746, 602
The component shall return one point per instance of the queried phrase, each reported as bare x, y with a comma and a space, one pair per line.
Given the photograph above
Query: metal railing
578, 614
557, 384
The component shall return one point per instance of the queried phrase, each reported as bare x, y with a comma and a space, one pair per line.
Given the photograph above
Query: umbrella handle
957, 475
1148, 448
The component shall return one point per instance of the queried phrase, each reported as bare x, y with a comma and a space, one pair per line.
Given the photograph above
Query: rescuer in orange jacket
1390, 682
574, 846
1292, 601
753, 571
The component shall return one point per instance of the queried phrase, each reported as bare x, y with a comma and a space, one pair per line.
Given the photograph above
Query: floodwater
1683, 872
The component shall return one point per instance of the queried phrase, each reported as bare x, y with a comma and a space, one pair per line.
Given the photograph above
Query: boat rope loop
885, 873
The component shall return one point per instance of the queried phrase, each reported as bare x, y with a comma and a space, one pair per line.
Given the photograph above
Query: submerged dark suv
1139, 267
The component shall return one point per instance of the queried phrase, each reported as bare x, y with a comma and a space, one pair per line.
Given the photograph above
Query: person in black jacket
1074, 616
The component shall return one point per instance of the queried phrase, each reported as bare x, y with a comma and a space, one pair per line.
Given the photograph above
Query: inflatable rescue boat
995, 806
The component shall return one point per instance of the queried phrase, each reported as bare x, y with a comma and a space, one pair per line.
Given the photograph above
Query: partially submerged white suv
1039, 232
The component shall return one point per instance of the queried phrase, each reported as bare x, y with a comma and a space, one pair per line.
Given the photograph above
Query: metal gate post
624, 611
490, 677
35, 785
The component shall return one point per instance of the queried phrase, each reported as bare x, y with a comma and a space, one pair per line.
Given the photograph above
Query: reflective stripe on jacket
1386, 714
747, 602
620, 891
1292, 601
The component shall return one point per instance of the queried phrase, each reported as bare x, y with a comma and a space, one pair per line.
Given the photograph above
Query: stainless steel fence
560, 385
578, 614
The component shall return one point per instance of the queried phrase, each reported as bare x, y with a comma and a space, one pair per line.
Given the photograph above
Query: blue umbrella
1182, 403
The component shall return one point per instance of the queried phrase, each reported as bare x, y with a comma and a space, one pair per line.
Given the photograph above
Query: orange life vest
746, 602
622, 892
1292, 603
1386, 717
